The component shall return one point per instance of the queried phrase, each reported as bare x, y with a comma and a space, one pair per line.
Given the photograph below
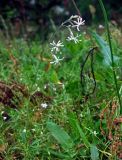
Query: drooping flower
95, 133
56, 59
72, 37
74, 21
56, 46
78, 23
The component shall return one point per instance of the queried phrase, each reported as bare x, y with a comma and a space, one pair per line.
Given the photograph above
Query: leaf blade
60, 135
94, 152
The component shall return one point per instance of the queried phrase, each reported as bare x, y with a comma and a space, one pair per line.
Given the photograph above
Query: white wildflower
4, 118
72, 37
101, 26
56, 59
45, 86
78, 23
24, 130
56, 46
95, 133
74, 21
44, 105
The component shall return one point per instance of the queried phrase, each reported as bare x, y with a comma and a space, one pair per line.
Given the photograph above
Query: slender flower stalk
78, 11
112, 57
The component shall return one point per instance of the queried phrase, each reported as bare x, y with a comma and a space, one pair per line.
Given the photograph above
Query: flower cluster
73, 22
56, 46
54, 50
72, 37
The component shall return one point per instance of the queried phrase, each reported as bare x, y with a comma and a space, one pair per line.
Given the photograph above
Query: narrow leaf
80, 130
83, 136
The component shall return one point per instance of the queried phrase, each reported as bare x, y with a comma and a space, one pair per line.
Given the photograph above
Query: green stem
78, 11
111, 51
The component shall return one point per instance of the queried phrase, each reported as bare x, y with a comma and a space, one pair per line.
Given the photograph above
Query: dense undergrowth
64, 111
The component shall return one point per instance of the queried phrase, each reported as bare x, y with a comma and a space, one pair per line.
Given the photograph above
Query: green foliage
105, 50
69, 128
94, 153
60, 135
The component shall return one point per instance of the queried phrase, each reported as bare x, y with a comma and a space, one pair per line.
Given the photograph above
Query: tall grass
112, 56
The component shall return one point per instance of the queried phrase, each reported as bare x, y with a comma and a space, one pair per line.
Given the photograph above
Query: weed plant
61, 106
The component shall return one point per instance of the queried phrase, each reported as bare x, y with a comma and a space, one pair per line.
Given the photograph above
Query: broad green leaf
94, 152
60, 135
105, 49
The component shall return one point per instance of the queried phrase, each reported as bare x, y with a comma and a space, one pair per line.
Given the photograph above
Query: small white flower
78, 23
45, 86
101, 26
74, 21
95, 133
44, 105
4, 118
56, 46
24, 130
56, 60
72, 37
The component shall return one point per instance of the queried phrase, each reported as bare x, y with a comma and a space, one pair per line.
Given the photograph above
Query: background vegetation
82, 118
